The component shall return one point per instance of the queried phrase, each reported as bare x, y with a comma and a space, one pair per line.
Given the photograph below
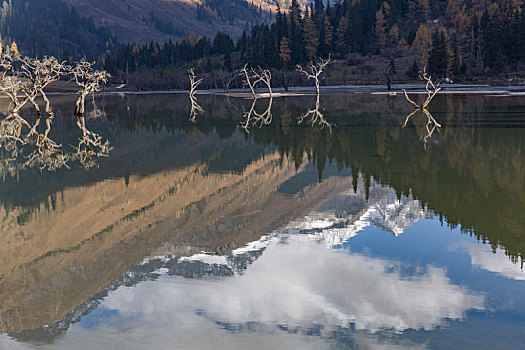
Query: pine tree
310, 39
340, 36
438, 60
326, 37
296, 32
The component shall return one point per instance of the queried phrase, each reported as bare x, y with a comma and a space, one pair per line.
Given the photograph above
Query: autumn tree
380, 25
422, 43
393, 34
402, 45
284, 51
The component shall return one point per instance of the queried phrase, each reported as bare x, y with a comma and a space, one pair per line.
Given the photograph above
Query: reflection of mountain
93, 233
173, 193
334, 222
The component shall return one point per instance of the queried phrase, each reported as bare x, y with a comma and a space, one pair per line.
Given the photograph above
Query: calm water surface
345, 231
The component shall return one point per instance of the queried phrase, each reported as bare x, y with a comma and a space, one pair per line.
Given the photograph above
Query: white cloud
482, 256
301, 285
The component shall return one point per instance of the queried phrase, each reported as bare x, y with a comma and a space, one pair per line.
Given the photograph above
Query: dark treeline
454, 39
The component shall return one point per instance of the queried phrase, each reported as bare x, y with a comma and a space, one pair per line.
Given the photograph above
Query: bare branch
247, 79
22, 80
262, 75
90, 145
195, 109
193, 83
315, 117
252, 118
416, 106
89, 81
430, 93
315, 70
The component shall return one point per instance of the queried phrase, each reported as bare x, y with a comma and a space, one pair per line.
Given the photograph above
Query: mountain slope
52, 28
160, 20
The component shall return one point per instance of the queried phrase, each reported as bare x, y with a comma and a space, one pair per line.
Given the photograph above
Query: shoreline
414, 88
396, 89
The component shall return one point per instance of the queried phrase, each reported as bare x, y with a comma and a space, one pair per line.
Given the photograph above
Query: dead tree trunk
89, 81
315, 71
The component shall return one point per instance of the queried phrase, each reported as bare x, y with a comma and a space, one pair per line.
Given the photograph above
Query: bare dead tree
315, 117
22, 80
252, 77
248, 80
315, 70
432, 124
40, 73
432, 90
13, 87
264, 76
193, 82
89, 81
227, 79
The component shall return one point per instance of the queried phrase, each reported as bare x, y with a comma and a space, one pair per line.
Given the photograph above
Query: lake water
341, 230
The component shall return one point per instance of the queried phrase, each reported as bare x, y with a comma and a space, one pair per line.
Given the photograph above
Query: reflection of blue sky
95, 317
427, 286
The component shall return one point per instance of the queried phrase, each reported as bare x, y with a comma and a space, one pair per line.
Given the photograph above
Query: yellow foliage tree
380, 27
394, 34
402, 45
14, 49
422, 43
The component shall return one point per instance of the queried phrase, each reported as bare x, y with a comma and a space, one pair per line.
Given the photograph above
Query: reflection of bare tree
96, 112
90, 145
252, 118
432, 124
315, 117
195, 109
22, 80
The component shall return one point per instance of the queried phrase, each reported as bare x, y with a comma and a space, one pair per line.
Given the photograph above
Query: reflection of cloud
299, 286
482, 256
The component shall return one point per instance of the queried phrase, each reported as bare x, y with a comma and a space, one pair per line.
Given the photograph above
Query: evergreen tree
340, 36
310, 39
326, 40
438, 60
